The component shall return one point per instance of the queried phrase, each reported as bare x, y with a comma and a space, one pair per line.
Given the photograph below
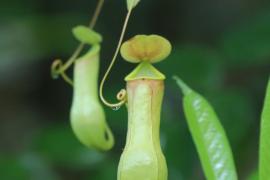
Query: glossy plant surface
264, 156
220, 48
87, 115
209, 136
142, 157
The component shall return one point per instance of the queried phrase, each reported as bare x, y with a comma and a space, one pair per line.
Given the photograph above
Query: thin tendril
66, 78
57, 64
96, 14
123, 91
81, 46
61, 68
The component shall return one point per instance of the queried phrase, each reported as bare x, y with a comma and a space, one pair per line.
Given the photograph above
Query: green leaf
241, 114
86, 35
209, 136
132, 3
264, 158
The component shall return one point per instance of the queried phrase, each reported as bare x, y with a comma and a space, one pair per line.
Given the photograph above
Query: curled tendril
58, 67
56, 70
55, 67
121, 96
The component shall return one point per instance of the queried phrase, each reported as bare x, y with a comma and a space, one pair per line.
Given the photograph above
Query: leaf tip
183, 86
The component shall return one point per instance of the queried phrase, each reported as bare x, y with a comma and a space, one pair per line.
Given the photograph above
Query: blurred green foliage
222, 49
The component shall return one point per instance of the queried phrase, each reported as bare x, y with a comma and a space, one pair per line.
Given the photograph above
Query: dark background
221, 48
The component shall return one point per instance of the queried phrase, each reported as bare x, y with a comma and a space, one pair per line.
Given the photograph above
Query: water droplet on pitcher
116, 108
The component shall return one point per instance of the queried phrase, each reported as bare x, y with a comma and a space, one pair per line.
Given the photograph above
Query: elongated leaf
264, 164
85, 35
209, 136
132, 3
